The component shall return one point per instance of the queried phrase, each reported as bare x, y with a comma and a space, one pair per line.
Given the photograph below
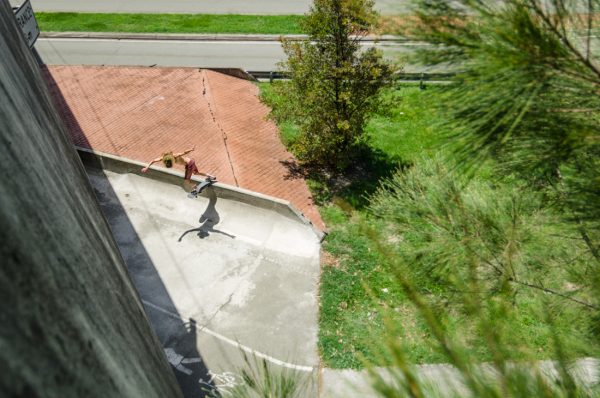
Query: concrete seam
212, 317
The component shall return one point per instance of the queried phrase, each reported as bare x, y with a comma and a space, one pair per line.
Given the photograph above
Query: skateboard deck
201, 186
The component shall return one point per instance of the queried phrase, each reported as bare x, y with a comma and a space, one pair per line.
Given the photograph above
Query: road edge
197, 36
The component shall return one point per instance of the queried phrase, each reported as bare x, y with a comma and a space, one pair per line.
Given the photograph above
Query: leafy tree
334, 84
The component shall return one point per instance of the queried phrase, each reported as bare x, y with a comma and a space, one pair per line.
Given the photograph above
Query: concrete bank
219, 279
122, 165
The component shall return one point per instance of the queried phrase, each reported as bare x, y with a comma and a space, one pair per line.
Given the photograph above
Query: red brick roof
141, 112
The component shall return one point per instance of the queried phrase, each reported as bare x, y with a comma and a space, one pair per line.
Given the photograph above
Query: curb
117, 164
197, 37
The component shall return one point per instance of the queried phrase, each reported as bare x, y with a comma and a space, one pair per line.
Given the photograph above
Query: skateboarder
168, 158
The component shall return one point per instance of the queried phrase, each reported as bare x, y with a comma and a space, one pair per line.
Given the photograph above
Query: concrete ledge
235, 72
117, 164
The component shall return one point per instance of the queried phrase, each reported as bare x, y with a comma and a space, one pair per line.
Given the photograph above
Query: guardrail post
421, 82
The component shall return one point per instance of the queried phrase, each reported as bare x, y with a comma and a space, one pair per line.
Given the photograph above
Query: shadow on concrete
208, 219
190, 370
178, 336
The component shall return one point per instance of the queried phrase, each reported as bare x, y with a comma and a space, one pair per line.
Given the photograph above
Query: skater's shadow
181, 353
208, 220
177, 335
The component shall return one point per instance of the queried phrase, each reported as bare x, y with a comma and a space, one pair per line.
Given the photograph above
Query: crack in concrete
210, 319
253, 267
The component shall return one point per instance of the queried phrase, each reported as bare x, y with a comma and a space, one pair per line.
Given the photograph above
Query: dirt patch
329, 260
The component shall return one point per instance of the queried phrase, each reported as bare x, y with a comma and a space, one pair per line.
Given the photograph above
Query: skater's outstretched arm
145, 169
184, 152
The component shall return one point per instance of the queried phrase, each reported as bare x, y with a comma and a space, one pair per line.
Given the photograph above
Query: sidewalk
139, 113
443, 380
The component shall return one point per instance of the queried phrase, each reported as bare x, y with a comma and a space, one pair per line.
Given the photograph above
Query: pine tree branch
595, 251
563, 38
576, 75
589, 28
588, 242
561, 17
554, 292
573, 110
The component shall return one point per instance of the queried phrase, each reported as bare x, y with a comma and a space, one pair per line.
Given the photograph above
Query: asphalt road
247, 55
250, 7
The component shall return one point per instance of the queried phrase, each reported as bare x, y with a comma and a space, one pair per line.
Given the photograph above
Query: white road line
235, 343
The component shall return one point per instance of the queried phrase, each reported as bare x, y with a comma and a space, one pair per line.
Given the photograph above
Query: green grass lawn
357, 292
169, 23
351, 325
405, 128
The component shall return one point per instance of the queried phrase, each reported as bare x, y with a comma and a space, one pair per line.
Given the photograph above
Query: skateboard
200, 187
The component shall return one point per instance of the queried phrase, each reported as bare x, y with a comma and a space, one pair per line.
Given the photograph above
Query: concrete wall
71, 323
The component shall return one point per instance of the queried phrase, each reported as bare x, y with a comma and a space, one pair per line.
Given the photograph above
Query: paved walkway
187, 51
443, 380
140, 112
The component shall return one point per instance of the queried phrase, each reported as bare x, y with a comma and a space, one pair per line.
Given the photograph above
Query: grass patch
182, 23
406, 127
358, 293
169, 23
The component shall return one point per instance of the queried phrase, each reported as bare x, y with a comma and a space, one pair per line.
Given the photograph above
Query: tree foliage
528, 89
453, 229
334, 84
527, 96
490, 252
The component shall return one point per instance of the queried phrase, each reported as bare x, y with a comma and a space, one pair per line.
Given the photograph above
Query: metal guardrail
405, 77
